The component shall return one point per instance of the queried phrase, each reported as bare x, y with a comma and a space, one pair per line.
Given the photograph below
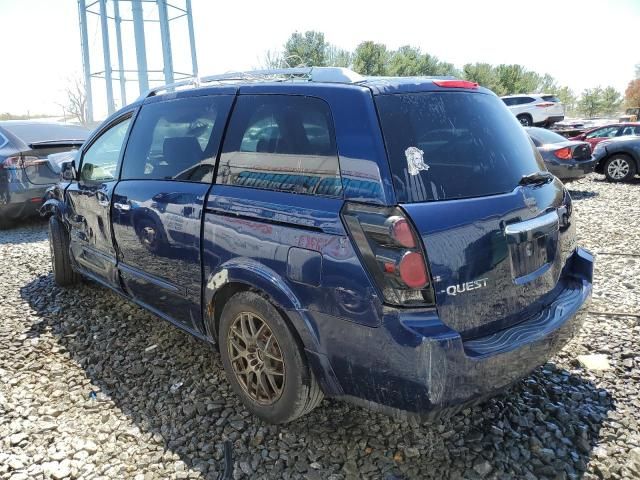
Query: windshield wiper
536, 178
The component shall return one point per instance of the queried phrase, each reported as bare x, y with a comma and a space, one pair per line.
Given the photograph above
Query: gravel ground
94, 387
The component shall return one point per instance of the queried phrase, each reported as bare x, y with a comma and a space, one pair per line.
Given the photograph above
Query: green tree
337, 57
517, 79
611, 101
371, 58
406, 61
590, 103
485, 75
306, 49
566, 96
547, 84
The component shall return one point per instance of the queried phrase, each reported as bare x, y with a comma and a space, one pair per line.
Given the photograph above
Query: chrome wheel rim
524, 121
618, 168
256, 358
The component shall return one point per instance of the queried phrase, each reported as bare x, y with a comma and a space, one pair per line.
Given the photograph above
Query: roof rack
310, 74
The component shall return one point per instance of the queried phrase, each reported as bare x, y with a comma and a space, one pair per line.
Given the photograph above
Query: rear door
158, 204
494, 247
89, 202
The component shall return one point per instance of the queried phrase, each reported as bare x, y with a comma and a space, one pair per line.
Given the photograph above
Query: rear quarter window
451, 145
551, 98
281, 142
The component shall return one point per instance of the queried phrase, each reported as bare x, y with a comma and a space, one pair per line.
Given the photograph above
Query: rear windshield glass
544, 136
452, 145
551, 98
45, 132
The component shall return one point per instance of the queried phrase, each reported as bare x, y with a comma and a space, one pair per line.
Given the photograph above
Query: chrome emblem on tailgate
466, 287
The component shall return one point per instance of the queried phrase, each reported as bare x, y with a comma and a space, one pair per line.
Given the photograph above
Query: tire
63, 274
283, 397
525, 120
619, 168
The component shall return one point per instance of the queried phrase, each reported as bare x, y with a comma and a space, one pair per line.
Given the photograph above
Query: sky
582, 43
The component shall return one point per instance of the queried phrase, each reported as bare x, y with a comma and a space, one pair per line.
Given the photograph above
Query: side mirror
68, 171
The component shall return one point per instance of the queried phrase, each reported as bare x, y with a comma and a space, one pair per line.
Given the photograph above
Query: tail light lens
15, 162
564, 153
391, 252
11, 163
545, 105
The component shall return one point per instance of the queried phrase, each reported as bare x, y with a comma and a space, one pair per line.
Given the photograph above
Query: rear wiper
536, 178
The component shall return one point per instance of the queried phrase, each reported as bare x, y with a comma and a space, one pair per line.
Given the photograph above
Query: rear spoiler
56, 143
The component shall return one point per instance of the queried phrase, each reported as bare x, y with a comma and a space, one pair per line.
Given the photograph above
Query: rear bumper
18, 201
544, 119
415, 365
572, 170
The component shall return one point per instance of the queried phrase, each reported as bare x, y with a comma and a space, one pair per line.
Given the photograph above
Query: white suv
535, 109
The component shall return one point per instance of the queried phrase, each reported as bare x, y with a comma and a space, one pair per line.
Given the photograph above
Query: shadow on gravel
24, 231
172, 387
582, 194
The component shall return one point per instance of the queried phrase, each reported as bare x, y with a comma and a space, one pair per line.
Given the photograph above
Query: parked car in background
25, 172
596, 135
566, 159
394, 242
618, 158
535, 109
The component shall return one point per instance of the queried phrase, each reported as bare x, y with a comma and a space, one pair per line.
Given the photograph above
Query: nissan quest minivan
394, 242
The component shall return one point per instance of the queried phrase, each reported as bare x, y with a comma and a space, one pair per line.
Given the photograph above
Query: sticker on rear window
415, 160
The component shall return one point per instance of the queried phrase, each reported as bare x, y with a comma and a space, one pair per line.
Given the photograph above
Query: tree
566, 96
406, 61
337, 57
610, 101
306, 49
632, 93
485, 75
273, 59
590, 103
517, 79
76, 104
370, 58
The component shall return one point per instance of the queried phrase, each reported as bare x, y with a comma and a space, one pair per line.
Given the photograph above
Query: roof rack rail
311, 74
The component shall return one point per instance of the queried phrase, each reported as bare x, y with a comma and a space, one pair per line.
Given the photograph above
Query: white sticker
415, 160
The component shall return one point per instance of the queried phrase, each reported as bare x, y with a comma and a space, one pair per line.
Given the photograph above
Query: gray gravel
94, 387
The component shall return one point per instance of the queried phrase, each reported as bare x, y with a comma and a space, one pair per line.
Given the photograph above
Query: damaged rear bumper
414, 364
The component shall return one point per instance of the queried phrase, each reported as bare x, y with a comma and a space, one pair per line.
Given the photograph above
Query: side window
100, 161
631, 130
281, 142
525, 100
177, 139
509, 101
607, 132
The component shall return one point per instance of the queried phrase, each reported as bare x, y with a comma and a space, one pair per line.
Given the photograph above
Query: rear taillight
564, 153
391, 252
10, 163
545, 105
15, 162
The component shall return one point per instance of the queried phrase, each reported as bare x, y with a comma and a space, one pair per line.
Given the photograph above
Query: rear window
453, 145
551, 98
45, 132
545, 137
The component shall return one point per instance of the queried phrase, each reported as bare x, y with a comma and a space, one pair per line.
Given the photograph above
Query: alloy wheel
618, 168
256, 358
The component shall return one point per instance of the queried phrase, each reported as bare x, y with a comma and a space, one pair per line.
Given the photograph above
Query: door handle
123, 207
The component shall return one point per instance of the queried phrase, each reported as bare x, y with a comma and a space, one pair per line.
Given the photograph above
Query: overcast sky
582, 43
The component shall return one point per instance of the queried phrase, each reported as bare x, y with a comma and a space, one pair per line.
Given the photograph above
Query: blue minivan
394, 242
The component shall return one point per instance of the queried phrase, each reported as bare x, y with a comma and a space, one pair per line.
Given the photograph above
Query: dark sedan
566, 159
25, 172
619, 158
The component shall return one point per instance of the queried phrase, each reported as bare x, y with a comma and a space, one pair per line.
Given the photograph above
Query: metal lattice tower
111, 21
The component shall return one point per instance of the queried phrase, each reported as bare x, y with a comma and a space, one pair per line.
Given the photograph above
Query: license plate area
533, 245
